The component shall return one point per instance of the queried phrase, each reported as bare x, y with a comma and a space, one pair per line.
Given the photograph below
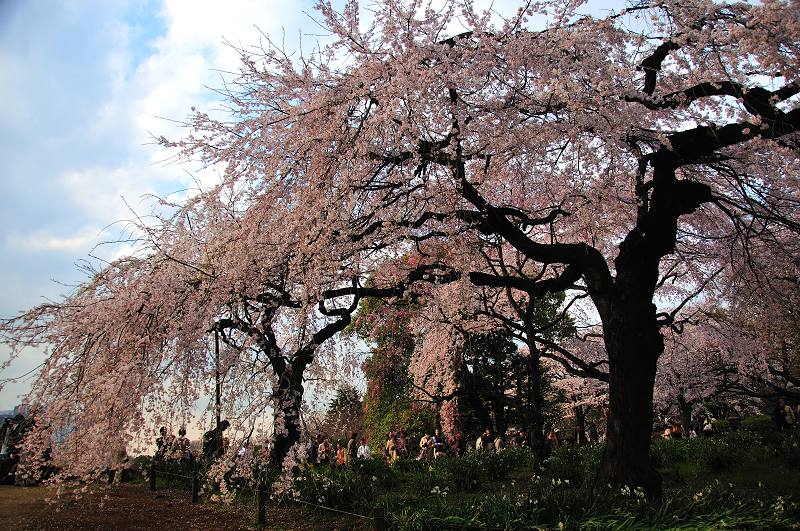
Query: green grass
740, 480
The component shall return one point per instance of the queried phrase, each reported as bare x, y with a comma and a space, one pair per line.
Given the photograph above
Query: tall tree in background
689, 371
389, 403
345, 413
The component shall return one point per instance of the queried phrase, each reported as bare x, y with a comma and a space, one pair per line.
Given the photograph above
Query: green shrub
664, 453
789, 450
434, 478
563, 506
721, 425
578, 464
465, 473
715, 454
759, 423
409, 466
496, 466
335, 488
722, 453
366, 469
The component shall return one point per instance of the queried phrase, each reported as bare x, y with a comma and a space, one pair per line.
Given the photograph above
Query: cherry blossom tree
128, 349
628, 157
758, 331
689, 371
623, 152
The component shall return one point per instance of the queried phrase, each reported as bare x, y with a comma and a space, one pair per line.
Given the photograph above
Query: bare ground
132, 506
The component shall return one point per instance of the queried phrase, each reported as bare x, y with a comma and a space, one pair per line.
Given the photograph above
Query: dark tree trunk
479, 409
632, 331
634, 344
686, 414
535, 425
288, 401
500, 424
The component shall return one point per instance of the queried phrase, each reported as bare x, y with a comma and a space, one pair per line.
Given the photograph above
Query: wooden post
261, 503
152, 475
195, 487
218, 406
379, 519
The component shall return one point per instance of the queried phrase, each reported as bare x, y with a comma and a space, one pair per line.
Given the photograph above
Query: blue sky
83, 85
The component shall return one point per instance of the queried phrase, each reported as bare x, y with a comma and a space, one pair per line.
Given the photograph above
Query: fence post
379, 519
261, 503
152, 476
195, 487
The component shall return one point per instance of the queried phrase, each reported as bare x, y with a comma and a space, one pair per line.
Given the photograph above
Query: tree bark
535, 401
499, 411
634, 344
479, 409
686, 414
288, 401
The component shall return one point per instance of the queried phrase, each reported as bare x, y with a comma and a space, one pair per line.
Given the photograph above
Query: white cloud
192, 52
40, 241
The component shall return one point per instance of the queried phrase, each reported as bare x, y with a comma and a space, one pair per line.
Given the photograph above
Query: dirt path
123, 507
132, 506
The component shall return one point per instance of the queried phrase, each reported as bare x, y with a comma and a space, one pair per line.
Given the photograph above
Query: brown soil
132, 506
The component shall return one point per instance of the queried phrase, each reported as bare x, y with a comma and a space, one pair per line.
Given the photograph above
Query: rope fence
193, 478
378, 519
261, 492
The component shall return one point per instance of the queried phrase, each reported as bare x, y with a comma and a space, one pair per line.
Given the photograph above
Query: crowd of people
172, 448
399, 445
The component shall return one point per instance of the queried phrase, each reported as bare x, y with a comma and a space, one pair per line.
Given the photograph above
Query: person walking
363, 450
498, 444
341, 455
324, 452
352, 448
183, 450
390, 449
788, 413
425, 448
214, 442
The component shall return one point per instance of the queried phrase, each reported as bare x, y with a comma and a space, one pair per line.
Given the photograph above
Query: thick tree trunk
288, 400
632, 332
634, 344
500, 424
686, 415
535, 401
479, 409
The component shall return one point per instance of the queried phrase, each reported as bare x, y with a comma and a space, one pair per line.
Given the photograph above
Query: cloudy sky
83, 86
